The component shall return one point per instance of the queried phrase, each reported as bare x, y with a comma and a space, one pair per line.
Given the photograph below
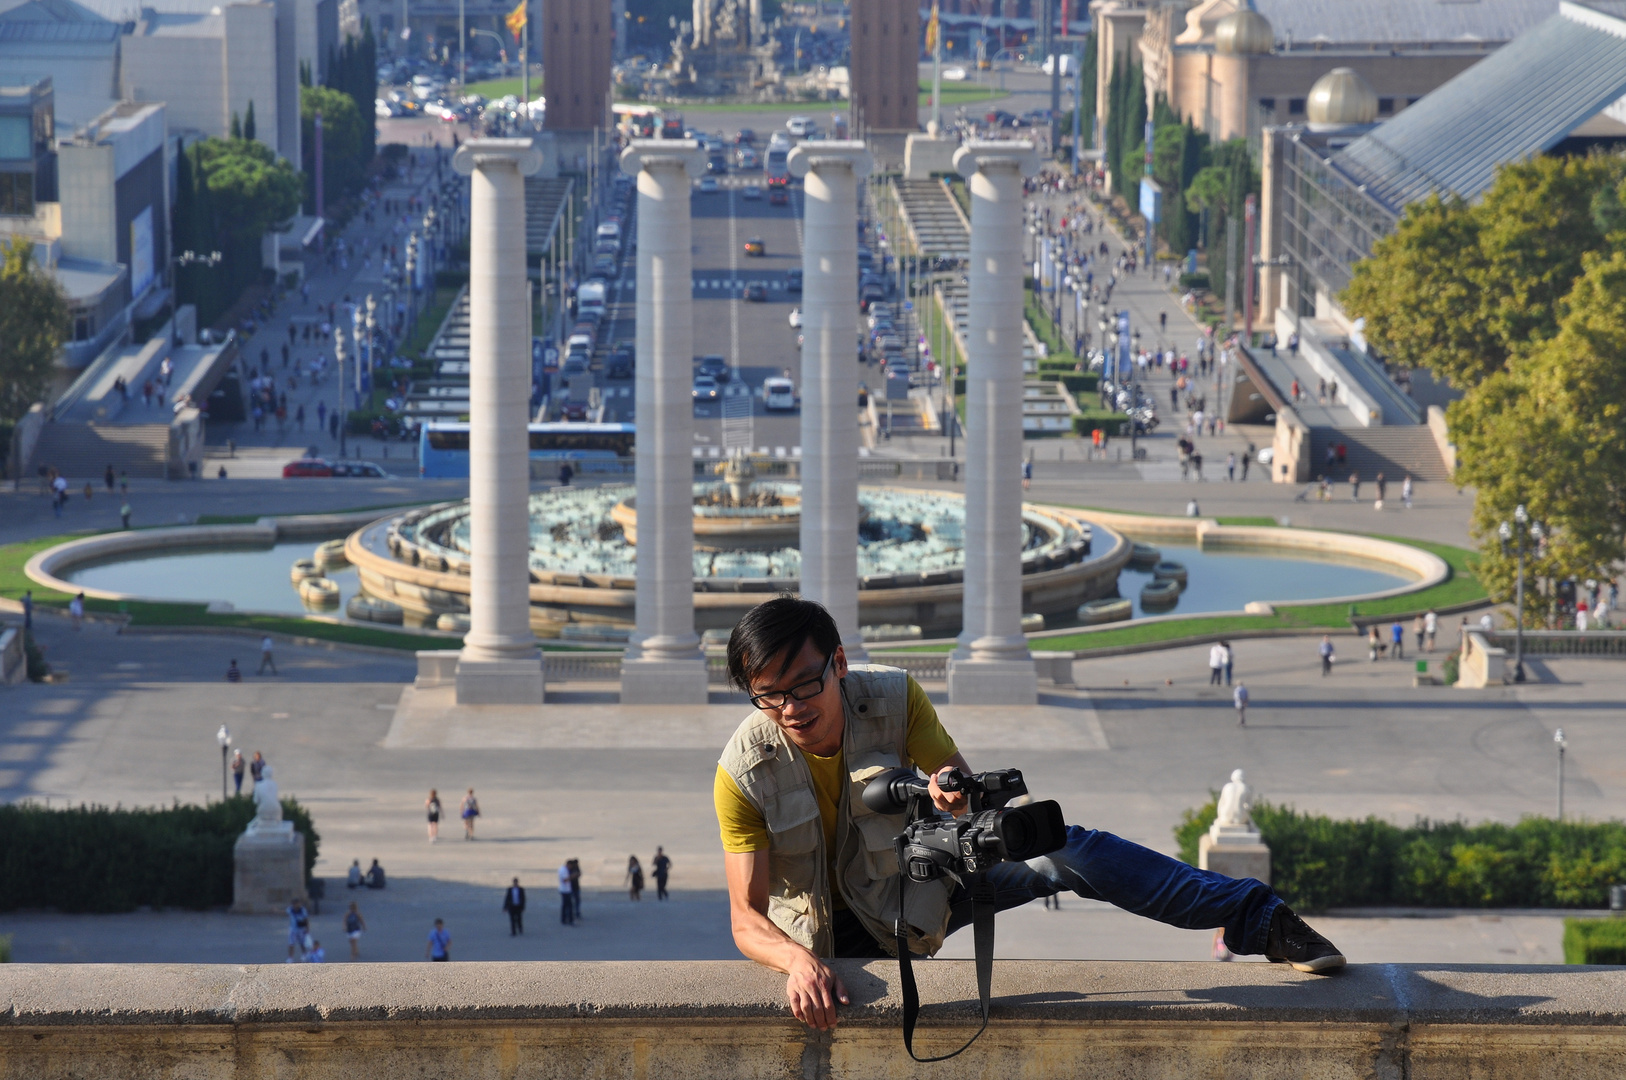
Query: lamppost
339, 357
372, 337
193, 258
1513, 539
224, 737
1559, 741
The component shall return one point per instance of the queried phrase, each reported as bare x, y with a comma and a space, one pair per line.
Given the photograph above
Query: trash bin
1617, 899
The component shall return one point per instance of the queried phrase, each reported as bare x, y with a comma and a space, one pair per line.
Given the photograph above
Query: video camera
934, 845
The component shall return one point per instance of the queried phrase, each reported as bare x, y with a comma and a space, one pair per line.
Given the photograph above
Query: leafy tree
253, 188
1549, 431
342, 141
34, 322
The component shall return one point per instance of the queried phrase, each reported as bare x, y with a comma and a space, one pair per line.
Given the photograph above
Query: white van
610, 230
801, 127
590, 297
778, 394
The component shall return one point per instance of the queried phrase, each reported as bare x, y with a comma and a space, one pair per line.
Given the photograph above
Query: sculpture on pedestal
268, 860
1233, 845
1235, 804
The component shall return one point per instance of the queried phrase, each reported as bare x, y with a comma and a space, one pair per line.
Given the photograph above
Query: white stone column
992, 665
830, 173
500, 663
664, 664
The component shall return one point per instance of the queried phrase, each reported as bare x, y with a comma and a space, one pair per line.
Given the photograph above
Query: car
359, 468
747, 158
744, 137
778, 196
955, 74
778, 394
870, 293
573, 410
793, 280
751, 191
801, 127
755, 246
796, 318
756, 291
706, 388
717, 164
714, 367
709, 185
619, 366
604, 265
307, 467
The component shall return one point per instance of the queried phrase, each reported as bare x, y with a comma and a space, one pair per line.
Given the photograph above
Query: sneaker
1291, 941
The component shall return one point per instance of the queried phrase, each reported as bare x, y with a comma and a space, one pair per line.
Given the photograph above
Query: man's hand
814, 990
950, 802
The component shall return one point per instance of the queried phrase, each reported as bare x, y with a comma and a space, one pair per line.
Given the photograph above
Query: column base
1234, 860
664, 682
499, 682
925, 154
992, 682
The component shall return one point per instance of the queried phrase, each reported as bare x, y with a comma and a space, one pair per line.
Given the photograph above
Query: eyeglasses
774, 700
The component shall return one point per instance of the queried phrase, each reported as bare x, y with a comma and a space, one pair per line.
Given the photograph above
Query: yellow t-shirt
743, 827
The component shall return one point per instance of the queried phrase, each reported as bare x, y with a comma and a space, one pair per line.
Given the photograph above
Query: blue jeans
1100, 866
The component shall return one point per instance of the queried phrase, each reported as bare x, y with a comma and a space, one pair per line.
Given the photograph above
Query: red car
307, 467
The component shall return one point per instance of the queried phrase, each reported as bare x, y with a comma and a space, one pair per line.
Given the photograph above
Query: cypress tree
248, 121
236, 126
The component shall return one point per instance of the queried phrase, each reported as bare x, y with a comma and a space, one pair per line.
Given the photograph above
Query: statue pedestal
268, 869
925, 155
1237, 851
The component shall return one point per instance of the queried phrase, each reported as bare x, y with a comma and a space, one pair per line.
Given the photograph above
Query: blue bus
443, 447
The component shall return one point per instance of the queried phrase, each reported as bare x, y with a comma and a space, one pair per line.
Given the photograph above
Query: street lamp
1513, 543
1559, 741
338, 358
224, 738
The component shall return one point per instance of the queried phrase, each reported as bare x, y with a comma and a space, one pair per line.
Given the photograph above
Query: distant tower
578, 37
886, 64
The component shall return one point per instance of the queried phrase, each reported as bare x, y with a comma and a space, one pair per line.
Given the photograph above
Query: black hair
777, 629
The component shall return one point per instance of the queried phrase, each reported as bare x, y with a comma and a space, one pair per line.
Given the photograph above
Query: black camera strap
982, 929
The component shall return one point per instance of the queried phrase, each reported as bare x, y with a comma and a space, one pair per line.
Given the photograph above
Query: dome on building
1341, 98
1244, 32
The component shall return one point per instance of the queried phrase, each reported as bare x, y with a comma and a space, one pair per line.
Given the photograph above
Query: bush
1320, 862
96, 859
1194, 281
1115, 425
1450, 670
38, 669
1595, 941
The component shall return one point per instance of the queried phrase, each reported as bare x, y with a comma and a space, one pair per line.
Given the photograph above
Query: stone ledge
728, 1019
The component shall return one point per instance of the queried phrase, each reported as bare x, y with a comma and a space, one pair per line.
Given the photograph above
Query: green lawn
496, 88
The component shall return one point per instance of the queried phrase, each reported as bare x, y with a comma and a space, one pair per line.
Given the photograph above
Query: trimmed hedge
97, 859
1595, 941
1319, 862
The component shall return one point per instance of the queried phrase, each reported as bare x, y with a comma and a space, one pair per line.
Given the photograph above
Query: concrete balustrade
724, 1020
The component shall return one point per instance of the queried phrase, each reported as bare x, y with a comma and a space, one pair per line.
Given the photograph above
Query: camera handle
982, 929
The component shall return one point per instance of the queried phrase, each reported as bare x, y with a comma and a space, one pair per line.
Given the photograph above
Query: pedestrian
299, 923
354, 924
565, 474
1431, 626
28, 610
1405, 492
662, 867
266, 659
432, 806
375, 876
1216, 663
439, 946
1397, 637
1027, 474
76, 610
1373, 644
107, 477
469, 811
1581, 614
1420, 630
634, 879
317, 955
1383, 490
238, 767
124, 514
256, 767
1239, 697
1355, 486
567, 906
233, 673
576, 889
1230, 654
1230, 466
513, 902
1327, 657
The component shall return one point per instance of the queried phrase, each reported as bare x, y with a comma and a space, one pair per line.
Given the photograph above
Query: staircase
83, 451
1394, 450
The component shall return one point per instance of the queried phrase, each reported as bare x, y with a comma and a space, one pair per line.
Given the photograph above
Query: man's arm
950, 802
812, 988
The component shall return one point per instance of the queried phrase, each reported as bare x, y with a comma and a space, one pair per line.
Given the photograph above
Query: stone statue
268, 805
1235, 803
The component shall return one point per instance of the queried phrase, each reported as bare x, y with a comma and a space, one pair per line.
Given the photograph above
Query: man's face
816, 724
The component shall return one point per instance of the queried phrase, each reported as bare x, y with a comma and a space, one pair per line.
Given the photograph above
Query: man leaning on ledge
812, 872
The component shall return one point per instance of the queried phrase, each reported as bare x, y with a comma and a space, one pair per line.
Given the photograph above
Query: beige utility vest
774, 776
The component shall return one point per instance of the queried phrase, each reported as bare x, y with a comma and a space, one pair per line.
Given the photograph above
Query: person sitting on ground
821, 727
375, 876
354, 880
233, 673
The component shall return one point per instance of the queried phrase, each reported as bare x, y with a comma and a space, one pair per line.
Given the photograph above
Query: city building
885, 65
1234, 67
577, 40
67, 42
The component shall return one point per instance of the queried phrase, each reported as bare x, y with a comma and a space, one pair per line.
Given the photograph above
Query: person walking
1397, 638
76, 610
1027, 474
1405, 492
513, 902
1216, 663
432, 806
266, 659
635, 878
1239, 697
1373, 643
1230, 466
470, 810
1383, 490
28, 610
439, 946
567, 906
1431, 626
1230, 655
354, 924
663, 868
238, 767
124, 514
256, 765
1355, 487
1327, 656
299, 923
576, 889
1420, 630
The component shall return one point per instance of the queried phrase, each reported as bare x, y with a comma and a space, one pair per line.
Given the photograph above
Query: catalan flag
931, 31
516, 20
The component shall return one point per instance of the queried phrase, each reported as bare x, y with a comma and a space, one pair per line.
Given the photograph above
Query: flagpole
937, 72
525, 67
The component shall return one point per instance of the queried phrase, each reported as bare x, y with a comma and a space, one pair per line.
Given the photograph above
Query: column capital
643, 154
979, 154
817, 153
479, 153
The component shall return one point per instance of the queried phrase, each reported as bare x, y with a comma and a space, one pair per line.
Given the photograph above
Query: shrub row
1595, 941
1318, 862
100, 859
